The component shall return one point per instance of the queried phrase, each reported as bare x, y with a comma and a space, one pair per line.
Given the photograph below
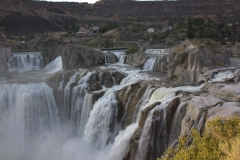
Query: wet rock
128, 98
106, 79
118, 77
111, 57
144, 114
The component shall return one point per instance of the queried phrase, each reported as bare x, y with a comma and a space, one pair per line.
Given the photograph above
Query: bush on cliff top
131, 50
220, 141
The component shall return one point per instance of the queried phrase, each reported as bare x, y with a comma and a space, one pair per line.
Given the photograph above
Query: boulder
136, 59
118, 77
106, 79
77, 55
111, 57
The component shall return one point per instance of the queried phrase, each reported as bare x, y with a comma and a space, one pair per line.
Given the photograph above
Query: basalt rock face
5, 54
111, 57
136, 60
190, 110
236, 50
188, 61
76, 56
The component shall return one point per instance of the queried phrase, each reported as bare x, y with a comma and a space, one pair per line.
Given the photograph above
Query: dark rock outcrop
111, 57
76, 56
5, 54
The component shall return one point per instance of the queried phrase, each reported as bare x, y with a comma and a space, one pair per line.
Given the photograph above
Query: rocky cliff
5, 54
76, 56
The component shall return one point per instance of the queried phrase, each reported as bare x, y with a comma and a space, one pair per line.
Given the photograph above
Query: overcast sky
89, 1
80, 1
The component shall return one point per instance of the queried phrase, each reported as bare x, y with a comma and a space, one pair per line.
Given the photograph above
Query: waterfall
102, 125
105, 57
157, 51
121, 59
150, 64
55, 65
26, 111
68, 95
153, 140
222, 76
85, 113
26, 62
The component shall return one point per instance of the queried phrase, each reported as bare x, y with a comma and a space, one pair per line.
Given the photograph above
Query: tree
189, 28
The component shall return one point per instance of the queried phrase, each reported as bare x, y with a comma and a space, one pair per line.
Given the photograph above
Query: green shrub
131, 50
220, 141
45, 52
182, 59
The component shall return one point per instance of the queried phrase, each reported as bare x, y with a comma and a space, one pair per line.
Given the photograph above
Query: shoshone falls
111, 111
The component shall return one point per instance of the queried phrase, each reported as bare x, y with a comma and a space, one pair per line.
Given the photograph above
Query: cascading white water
55, 65
157, 51
85, 113
27, 111
102, 125
67, 96
121, 59
25, 62
153, 140
222, 76
150, 64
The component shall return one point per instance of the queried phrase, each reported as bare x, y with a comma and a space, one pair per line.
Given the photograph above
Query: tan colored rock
230, 92
196, 111
228, 109
128, 98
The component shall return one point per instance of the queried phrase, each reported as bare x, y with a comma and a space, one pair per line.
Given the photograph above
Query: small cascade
163, 93
150, 64
26, 111
135, 76
153, 141
85, 113
157, 51
55, 65
67, 96
121, 143
105, 57
222, 76
25, 62
176, 124
121, 59
102, 126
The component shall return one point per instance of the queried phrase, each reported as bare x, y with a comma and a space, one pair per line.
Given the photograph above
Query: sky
80, 1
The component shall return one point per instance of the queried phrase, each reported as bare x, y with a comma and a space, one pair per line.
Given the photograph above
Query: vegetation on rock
220, 140
131, 50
